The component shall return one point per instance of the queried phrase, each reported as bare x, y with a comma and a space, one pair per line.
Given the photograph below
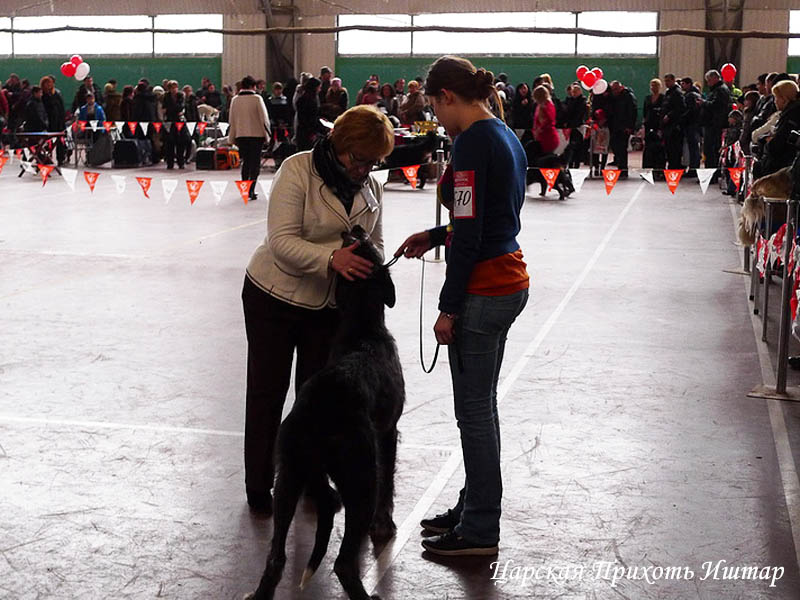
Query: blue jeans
475, 361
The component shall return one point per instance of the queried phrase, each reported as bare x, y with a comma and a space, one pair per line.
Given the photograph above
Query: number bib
464, 193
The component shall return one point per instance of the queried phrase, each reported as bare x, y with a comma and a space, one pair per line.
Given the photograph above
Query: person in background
159, 92
751, 99
521, 120
336, 100
204, 83
411, 110
545, 136
113, 101
3, 109
400, 90
289, 285
779, 152
250, 129
387, 103
622, 123
691, 124
176, 138
88, 87
192, 115
126, 107
307, 126
35, 115
672, 116
325, 76
56, 115
729, 154
280, 112
600, 141
653, 156
300, 88
371, 95
211, 96
261, 89
91, 111
575, 120
714, 118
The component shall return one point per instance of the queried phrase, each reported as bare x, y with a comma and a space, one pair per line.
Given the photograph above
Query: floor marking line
431, 494
780, 435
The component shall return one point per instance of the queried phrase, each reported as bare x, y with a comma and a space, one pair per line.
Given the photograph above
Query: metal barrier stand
440, 167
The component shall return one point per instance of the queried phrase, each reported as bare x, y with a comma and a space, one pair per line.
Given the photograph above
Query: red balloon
598, 72
76, 59
68, 69
581, 71
589, 79
728, 72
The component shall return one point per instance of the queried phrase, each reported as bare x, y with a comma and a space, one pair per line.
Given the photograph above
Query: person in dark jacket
653, 154
56, 115
522, 112
87, 87
714, 118
176, 137
691, 122
126, 108
672, 122
307, 126
112, 101
575, 120
750, 104
778, 152
35, 115
622, 122
212, 97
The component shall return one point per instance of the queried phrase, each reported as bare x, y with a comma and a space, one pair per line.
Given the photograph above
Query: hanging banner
411, 175
3, 160
190, 127
91, 179
736, 176
119, 181
578, 177
132, 127
610, 177
44, 171
223, 127
244, 189
144, 183
179, 125
193, 186
168, 126
168, 186
217, 188
93, 125
145, 125
157, 126
550, 176
26, 153
201, 127
381, 176
673, 177
107, 125
82, 126
119, 125
647, 175
704, 178
265, 186
69, 175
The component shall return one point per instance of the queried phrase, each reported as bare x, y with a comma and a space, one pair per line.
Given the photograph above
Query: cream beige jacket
248, 116
305, 221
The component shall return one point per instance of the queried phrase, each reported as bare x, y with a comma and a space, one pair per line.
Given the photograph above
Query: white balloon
600, 86
82, 71
586, 87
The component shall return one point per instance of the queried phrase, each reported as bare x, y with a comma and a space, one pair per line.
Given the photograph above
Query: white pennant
28, 167
119, 181
167, 126
145, 125
26, 153
168, 187
647, 175
265, 186
223, 127
69, 176
218, 187
578, 177
119, 125
10, 158
381, 176
93, 125
704, 178
190, 127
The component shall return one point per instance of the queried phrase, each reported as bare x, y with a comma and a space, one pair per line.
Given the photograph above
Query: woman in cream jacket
288, 291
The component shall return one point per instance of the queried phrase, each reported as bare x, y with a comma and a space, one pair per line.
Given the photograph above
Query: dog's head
376, 289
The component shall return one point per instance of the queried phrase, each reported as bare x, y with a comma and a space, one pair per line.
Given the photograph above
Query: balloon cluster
592, 79
728, 72
75, 68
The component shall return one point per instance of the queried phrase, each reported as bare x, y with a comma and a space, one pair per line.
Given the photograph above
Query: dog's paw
374, 597
382, 529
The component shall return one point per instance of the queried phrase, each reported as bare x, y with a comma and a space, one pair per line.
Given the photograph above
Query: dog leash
421, 355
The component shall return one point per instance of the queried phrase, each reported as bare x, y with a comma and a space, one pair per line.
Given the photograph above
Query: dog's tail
328, 503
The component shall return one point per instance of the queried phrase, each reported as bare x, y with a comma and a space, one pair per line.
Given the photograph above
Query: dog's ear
389, 296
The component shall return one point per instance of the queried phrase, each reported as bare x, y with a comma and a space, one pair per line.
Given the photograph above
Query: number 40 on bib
464, 192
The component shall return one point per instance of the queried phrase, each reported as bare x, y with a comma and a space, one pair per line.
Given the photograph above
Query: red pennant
44, 171
145, 182
179, 125
194, 189
736, 176
610, 177
107, 125
91, 179
132, 127
411, 175
82, 125
18, 153
244, 188
550, 176
74, 126
157, 126
673, 177
3, 159
32, 149
201, 127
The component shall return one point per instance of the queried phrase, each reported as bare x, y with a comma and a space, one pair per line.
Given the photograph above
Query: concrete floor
627, 436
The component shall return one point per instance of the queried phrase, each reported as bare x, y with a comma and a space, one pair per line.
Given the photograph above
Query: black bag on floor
101, 151
127, 153
205, 157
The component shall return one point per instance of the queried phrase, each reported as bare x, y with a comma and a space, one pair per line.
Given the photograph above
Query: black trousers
175, 146
619, 146
712, 144
673, 143
250, 153
275, 330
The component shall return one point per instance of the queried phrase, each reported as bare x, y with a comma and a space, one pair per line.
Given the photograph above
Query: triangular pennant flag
704, 178
168, 186
132, 127
179, 125
69, 175
145, 183
91, 179
82, 125
550, 176
18, 153
119, 125
381, 176
190, 127
74, 126
411, 175
673, 177
145, 125
223, 127
578, 177
647, 175
193, 186
27, 153
610, 177
3, 160
217, 187
29, 168
201, 127
119, 181
168, 126
736, 176
265, 186
44, 171
107, 125
244, 188
93, 124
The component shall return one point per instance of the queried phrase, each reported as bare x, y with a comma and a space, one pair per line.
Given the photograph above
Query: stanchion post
440, 166
786, 292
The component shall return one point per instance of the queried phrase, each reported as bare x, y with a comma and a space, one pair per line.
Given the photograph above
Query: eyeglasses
362, 163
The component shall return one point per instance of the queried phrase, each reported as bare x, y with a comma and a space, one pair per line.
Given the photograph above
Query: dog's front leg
383, 527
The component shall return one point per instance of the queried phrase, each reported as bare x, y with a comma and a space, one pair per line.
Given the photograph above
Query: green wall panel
126, 70
633, 72
793, 64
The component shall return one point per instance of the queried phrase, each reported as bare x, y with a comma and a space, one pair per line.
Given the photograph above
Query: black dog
563, 184
416, 152
343, 425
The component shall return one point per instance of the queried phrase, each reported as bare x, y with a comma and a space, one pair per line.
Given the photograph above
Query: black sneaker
443, 523
452, 544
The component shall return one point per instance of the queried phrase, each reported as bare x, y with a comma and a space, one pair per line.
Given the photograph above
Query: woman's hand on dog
349, 265
415, 246
444, 329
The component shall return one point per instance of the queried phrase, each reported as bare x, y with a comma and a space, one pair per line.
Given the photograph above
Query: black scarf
334, 174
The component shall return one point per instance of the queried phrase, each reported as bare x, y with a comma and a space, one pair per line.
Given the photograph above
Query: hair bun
484, 77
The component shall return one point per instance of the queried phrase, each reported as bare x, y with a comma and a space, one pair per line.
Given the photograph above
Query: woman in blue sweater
485, 289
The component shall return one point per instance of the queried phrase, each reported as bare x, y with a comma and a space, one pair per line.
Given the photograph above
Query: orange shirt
499, 276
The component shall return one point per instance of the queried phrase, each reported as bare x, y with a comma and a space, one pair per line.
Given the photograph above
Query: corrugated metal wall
763, 56
243, 54
683, 56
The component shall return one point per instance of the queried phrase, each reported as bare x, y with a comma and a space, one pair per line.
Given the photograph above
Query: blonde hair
541, 93
657, 81
364, 129
785, 89
547, 79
